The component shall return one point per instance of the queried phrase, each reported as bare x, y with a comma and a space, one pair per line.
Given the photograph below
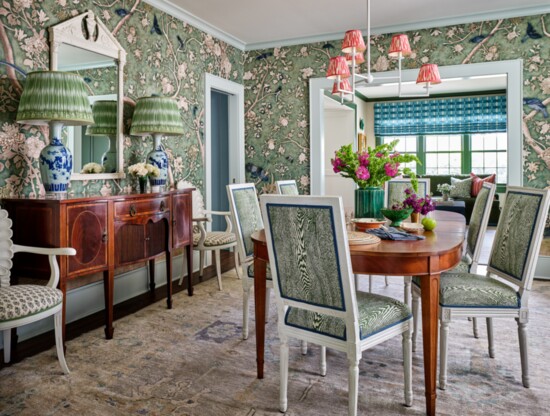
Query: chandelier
342, 68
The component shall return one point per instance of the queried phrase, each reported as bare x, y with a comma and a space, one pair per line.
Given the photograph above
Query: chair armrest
63, 251
218, 212
51, 253
226, 214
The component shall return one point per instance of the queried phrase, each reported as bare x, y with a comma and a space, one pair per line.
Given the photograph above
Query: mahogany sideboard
107, 232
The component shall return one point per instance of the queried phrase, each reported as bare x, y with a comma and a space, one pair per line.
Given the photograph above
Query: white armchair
24, 304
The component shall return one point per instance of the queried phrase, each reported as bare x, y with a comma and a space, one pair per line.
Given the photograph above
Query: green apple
429, 223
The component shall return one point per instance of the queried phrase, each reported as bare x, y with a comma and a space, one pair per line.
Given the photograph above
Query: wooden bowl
362, 224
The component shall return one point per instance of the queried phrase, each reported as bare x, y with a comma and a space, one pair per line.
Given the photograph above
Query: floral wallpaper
164, 56
277, 100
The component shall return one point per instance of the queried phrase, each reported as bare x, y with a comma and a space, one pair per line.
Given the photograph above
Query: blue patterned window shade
441, 116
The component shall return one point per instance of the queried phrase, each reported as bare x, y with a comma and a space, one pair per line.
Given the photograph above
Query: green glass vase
368, 202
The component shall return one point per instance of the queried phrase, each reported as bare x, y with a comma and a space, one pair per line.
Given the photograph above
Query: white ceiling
254, 24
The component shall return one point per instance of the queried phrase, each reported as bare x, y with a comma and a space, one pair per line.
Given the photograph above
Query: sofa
469, 202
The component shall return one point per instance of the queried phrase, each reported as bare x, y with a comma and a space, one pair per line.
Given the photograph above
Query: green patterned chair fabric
376, 313
476, 220
288, 189
250, 217
476, 291
24, 300
215, 238
513, 238
395, 190
305, 255
250, 271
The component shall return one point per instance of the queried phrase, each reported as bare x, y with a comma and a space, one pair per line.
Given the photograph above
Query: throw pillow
477, 182
462, 188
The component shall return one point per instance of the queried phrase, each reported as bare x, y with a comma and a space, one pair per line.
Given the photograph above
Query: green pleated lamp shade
54, 96
105, 118
156, 115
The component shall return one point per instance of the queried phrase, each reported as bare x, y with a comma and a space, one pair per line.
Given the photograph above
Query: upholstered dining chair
23, 304
215, 241
315, 295
474, 242
287, 187
513, 260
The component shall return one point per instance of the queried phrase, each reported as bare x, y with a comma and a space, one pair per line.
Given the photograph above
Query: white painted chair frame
354, 346
521, 315
286, 183
473, 267
201, 248
244, 260
56, 311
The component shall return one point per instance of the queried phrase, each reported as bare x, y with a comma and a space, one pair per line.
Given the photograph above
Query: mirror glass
101, 76
83, 45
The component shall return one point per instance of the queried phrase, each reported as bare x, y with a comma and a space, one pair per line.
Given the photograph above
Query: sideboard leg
151, 264
169, 279
108, 287
189, 257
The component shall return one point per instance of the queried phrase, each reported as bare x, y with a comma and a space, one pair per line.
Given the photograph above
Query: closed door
219, 156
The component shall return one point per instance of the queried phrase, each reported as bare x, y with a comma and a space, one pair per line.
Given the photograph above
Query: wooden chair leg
407, 366
523, 351
323, 360
283, 403
353, 389
218, 268
416, 317
490, 337
443, 347
7, 345
58, 324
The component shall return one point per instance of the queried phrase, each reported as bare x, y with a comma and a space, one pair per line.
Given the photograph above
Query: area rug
191, 360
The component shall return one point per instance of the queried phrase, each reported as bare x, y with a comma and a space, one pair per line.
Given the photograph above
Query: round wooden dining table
440, 251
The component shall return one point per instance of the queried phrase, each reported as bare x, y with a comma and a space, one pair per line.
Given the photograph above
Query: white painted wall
339, 130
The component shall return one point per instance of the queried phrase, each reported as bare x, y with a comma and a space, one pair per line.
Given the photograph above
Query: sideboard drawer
138, 207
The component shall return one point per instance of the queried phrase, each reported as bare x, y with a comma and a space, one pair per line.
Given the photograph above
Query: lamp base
159, 159
56, 165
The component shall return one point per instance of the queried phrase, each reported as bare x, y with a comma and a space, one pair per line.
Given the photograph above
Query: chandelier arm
369, 76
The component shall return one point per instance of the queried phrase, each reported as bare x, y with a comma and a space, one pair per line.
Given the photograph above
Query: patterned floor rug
191, 360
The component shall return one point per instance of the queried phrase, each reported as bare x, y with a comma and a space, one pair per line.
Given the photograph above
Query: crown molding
179, 13
425, 24
183, 15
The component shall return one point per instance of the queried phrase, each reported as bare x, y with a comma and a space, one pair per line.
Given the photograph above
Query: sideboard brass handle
104, 238
162, 206
133, 210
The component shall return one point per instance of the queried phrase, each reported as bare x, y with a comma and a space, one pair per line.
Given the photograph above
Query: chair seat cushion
475, 291
24, 300
250, 271
462, 267
215, 238
376, 313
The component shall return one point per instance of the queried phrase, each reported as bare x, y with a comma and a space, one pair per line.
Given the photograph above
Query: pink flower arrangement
373, 167
419, 205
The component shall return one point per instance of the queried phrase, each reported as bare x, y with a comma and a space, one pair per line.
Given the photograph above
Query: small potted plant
92, 168
142, 171
445, 189
419, 205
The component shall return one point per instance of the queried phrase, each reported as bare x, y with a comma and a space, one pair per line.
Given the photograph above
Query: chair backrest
519, 234
287, 187
309, 257
395, 190
246, 216
6, 248
479, 220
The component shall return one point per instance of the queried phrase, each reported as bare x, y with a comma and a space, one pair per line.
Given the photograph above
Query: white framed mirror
84, 45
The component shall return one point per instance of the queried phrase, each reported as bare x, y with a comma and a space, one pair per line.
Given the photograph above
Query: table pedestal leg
259, 312
429, 286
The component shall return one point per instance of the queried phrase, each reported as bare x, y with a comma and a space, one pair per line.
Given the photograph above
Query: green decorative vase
368, 202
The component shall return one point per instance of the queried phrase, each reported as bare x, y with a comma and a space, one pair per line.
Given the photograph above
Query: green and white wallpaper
169, 57
164, 56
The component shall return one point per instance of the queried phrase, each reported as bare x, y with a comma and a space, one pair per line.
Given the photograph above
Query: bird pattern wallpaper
169, 57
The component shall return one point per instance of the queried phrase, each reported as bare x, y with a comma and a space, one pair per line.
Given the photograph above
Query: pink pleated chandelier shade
399, 46
359, 58
353, 39
343, 88
429, 73
338, 67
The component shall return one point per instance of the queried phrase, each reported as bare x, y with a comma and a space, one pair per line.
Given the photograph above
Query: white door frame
514, 103
236, 130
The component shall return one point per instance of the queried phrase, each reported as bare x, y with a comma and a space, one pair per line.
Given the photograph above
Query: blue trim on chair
485, 306
530, 236
268, 205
